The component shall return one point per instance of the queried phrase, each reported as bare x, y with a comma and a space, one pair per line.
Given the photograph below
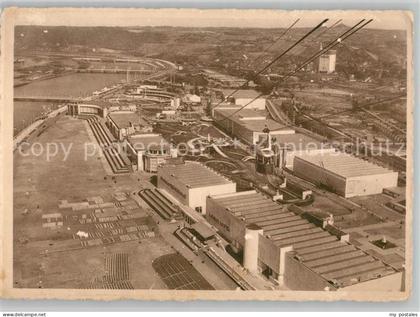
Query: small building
190, 183
344, 174
148, 151
192, 99
117, 107
125, 123
52, 220
248, 124
249, 98
151, 92
289, 249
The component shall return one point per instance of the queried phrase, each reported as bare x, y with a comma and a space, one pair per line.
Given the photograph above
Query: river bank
73, 85
22, 135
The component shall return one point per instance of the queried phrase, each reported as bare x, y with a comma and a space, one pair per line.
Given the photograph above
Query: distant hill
215, 46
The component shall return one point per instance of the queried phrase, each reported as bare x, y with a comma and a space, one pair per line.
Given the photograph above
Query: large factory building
344, 174
290, 249
247, 124
190, 183
248, 98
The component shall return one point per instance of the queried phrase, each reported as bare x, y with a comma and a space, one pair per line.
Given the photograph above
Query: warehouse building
247, 124
125, 123
344, 174
190, 183
149, 150
291, 249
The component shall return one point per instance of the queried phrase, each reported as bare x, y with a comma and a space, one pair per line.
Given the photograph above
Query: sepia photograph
207, 154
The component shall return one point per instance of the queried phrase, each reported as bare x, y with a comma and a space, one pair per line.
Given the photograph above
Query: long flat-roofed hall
345, 174
192, 182
289, 248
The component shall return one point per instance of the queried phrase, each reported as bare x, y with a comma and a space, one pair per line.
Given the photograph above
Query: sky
208, 18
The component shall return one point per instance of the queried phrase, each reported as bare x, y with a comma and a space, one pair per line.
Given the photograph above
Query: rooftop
241, 93
194, 174
343, 164
316, 248
124, 119
253, 120
204, 230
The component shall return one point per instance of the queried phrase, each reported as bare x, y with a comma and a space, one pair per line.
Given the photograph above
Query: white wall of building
197, 196
332, 61
192, 197
370, 184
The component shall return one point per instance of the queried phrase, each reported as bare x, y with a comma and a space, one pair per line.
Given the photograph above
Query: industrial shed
190, 183
344, 174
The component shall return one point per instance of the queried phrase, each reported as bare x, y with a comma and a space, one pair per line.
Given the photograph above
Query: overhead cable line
274, 43
332, 44
275, 59
357, 27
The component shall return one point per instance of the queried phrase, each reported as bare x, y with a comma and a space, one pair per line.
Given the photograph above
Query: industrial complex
205, 173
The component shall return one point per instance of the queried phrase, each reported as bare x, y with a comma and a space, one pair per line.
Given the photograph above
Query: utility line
333, 43
276, 59
274, 43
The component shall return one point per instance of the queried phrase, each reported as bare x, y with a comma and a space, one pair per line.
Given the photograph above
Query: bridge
113, 70
49, 99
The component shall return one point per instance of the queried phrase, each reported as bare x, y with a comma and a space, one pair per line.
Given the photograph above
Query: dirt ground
51, 257
39, 184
